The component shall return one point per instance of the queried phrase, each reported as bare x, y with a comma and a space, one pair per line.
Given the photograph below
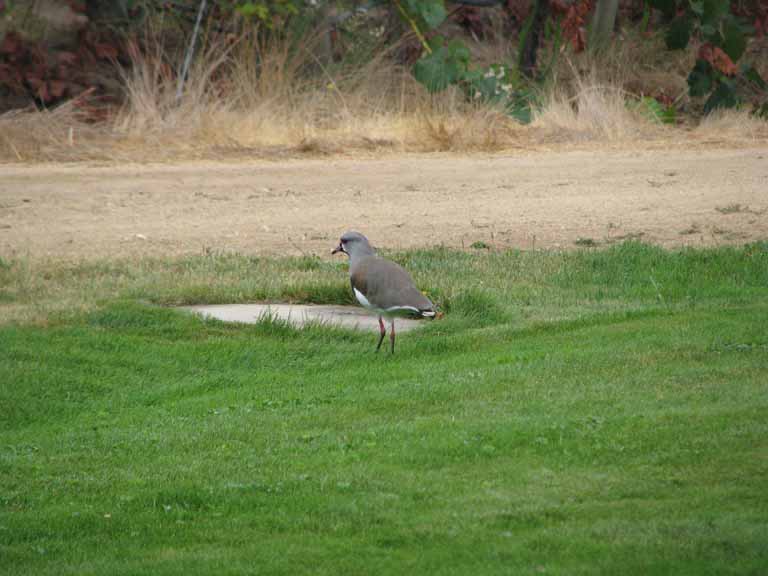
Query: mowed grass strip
599, 411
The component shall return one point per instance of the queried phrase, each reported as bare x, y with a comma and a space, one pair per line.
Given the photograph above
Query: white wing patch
397, 308
362, 299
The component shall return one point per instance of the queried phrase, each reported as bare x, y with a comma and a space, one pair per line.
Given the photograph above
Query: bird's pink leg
382, 332
392, 335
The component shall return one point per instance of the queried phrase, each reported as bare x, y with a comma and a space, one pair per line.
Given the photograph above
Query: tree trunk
531, 37
603, 22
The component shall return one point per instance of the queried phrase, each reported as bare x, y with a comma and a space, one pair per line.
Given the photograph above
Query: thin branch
190, 52
414, 27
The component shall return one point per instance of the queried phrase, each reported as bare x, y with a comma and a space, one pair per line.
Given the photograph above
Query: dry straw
249, 97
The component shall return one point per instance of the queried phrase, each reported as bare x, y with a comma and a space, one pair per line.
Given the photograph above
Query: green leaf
714, 10
445, 66
430, 70
520, 107
700, 79
709, 32
459, 52
431, 13
496, 84
753, 77
697, 8
724, 96
734, 40
521, 112
669, 116
251, 9
667, 7
490, 84
679, 32
483, 85
656, 111
436, 42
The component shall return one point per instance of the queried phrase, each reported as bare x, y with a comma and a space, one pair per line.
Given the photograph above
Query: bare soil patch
555, 199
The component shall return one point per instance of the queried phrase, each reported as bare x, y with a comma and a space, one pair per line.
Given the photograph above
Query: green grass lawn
595, 411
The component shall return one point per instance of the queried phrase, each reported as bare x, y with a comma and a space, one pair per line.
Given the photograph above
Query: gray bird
382, 286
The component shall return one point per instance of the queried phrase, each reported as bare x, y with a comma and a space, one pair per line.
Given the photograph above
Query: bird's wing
390, 287
358, 275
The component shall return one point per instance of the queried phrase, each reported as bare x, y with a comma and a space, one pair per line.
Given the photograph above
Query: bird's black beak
338, 248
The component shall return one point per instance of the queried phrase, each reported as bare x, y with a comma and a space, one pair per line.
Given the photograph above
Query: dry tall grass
727, 125
274, 96
245, 98
596, 112
50, 135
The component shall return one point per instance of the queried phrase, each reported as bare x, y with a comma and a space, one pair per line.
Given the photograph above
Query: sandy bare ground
301, 206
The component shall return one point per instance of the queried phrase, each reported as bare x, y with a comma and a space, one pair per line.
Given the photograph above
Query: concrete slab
352, 317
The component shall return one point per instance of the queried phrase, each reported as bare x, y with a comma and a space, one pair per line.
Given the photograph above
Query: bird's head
353, 244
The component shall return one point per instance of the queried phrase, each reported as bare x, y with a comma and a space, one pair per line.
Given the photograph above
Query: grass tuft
477, 305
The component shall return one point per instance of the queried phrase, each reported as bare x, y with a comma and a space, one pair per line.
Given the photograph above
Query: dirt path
543, 200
